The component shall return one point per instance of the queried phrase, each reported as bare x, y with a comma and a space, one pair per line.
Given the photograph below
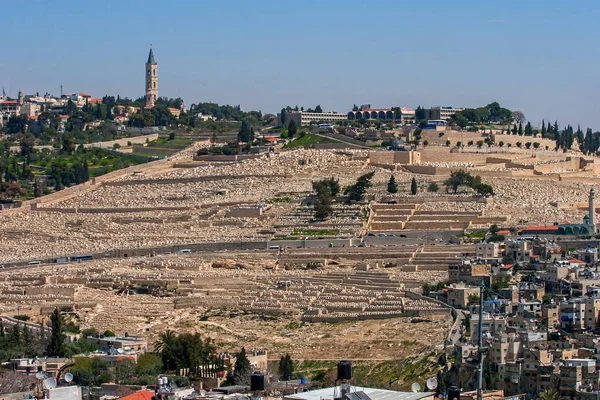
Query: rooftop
374, 394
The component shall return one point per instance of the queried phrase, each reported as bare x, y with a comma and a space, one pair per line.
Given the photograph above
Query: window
154, 85
154, 72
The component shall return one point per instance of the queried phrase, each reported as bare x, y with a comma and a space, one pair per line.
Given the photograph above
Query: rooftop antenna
479, 344
61, 92
415, 387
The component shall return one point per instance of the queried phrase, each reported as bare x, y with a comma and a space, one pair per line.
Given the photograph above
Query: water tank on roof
344, 371
257, 382
453, 393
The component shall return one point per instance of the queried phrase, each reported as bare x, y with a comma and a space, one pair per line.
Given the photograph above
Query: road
456, 331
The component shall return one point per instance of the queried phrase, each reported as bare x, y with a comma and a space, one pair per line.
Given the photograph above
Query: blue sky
540, 57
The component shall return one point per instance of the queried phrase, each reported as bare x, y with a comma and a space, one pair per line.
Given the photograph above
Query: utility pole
479, 345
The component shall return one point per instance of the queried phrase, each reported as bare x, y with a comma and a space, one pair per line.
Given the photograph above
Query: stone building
151, 80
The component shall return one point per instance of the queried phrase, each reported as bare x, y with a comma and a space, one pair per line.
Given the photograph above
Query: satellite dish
68, 377
432, 383
415, 387
120, 351
50, 383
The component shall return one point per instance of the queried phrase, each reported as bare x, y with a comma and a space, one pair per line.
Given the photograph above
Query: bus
88, 257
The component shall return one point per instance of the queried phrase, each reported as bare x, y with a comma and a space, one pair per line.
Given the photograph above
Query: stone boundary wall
386, 226
433, 137
116, 210
513, 139
92, 184
428, 225
140, 148
123, 142
571, 164
189, 180
224, 158
588, 180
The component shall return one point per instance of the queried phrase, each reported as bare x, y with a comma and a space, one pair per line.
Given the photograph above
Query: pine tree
57, 337
392, 187
413, 186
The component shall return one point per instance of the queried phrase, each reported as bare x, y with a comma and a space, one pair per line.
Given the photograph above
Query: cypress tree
57, 337
85, 172
292, 129
37, 192
514, 130
520, 129
413, 186
528, 129
392, 187
543, 128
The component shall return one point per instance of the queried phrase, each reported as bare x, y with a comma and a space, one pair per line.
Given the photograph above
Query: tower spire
151, 80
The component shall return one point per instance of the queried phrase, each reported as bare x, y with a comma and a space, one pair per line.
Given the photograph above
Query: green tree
413, 186
27, 143
166, 346
528, 129
322, 205
109, 333
286, 367
357, 191
246, 132
242, 368
283, 115
85, 171
549, 394
37, 191
149, 364
57, 337
433, 187
520, 131
292, 129
543, 129
318, 109
125, 370
391, 186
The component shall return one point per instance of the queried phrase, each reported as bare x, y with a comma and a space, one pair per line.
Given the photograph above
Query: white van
34, 263
184, 251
